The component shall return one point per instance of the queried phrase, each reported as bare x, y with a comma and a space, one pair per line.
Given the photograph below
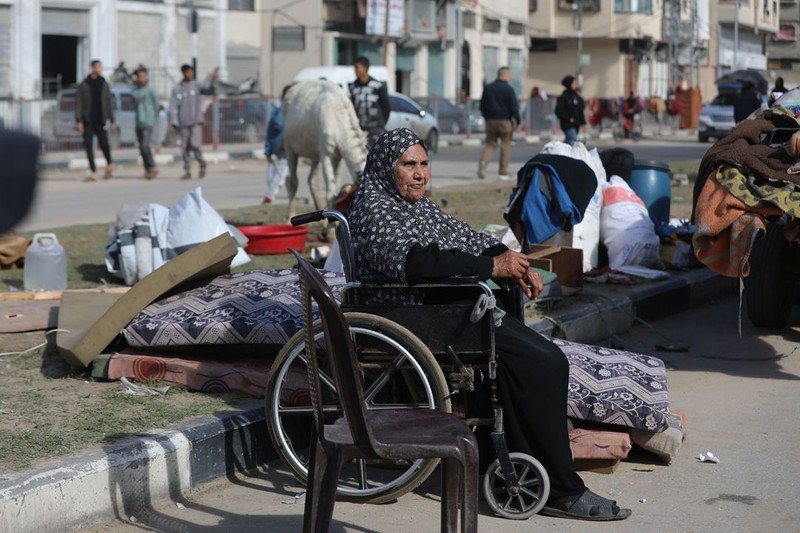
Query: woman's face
412, 173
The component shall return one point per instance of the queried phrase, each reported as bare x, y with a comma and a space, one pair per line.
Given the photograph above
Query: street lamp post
579, 34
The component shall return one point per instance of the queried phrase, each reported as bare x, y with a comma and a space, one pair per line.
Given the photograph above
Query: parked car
124, 118
406, 113
241, 119
716, 117
453, 118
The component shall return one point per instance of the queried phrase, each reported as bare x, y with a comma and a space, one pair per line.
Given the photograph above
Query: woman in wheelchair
399, 233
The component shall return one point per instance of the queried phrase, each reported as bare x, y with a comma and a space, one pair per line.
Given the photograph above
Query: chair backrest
341, 355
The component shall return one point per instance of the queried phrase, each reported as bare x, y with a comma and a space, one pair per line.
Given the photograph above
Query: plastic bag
193, 221
626, 227
585, 234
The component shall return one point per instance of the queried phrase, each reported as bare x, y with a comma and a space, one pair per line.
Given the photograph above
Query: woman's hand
511, 264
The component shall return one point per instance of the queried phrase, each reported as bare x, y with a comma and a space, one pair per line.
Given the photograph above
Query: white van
344, 74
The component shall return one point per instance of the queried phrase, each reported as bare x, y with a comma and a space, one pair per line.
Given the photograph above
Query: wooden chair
393, 434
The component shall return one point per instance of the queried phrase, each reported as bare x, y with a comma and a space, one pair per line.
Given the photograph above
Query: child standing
277, 167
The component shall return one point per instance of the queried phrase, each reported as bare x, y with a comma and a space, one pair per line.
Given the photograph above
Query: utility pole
579, 34
386, 31
735, 65
692, 43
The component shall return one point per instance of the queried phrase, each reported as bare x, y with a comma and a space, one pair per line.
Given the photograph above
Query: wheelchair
431, 354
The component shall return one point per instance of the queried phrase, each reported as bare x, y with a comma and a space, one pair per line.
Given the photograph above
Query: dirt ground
48, 408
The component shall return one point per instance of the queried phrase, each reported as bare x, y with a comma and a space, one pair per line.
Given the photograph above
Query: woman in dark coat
401, 234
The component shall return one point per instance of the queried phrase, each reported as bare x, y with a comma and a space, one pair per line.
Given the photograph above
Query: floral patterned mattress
263, 307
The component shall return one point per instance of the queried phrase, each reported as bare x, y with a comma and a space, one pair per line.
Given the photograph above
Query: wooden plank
30, 315
96, 319
543, 251
55, 295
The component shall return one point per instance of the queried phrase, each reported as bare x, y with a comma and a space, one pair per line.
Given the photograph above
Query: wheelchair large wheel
534, 488
399, 373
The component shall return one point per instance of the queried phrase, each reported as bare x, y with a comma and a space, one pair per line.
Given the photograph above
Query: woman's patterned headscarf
385, 226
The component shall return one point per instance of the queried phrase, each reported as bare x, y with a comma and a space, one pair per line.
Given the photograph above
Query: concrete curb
217, 156
124, 479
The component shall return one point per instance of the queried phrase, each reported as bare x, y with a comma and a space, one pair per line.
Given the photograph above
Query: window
288, 38
633, 6
402, 106
127, 102
468, 19
241, 5
491, 25
543, 45
572, 5
533, 6
515, 28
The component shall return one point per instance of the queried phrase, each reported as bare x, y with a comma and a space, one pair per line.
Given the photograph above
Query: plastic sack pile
146, 237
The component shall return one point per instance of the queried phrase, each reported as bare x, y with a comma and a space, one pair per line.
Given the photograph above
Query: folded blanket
725, 229
743, 148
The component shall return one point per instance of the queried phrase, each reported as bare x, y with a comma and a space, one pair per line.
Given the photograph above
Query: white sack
193, 221
626, 227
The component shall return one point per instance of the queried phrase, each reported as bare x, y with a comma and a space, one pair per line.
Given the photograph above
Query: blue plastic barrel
650, 181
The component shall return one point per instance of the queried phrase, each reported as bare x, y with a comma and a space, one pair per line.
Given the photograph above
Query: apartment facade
612, 47
783, 50
47, 44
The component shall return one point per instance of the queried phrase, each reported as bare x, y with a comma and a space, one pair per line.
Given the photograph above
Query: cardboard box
566, 263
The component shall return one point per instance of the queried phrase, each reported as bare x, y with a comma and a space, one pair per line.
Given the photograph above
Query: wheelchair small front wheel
534, 488
399, 372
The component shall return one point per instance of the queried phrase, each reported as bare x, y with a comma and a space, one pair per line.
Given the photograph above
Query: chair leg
323, 478
450, 483
469, 493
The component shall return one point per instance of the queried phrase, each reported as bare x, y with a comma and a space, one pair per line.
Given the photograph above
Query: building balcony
761, 15
620, 19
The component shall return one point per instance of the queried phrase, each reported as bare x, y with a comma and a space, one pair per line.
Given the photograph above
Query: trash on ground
644, 468
707, 457
299, 499
142, 390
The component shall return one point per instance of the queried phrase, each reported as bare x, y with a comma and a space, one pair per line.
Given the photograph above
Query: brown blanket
725, 229
743, 148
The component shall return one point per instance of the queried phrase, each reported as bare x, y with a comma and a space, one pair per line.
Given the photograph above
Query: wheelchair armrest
375, 278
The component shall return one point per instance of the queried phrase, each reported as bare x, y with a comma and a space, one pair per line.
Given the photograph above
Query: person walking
777, 92
370, 99
746, 103
94, 117
277, 166
570, 110
501, 112
146, 112
186, 111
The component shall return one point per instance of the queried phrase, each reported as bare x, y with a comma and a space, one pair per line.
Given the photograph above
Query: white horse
321, 124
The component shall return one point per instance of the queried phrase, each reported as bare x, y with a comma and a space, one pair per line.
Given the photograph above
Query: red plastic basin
276, 239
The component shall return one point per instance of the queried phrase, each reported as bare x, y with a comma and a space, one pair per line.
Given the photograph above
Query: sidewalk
100, 484
76, 159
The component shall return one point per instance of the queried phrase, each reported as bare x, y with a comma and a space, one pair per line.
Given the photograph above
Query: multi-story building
45, 44
435, 47
613, 47
783, 50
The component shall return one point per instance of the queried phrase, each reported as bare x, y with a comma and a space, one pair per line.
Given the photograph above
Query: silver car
406, 113
716, 118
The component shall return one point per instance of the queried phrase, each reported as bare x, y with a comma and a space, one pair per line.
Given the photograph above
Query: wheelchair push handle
331, 215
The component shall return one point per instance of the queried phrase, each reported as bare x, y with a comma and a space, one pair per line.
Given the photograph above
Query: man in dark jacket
745, 103
501, 113
370, 100
569, 110
93, 110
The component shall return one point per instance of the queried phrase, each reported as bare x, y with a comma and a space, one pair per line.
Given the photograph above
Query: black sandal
589, 506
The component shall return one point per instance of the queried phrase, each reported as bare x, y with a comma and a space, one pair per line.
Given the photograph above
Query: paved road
740, 396
63, 199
